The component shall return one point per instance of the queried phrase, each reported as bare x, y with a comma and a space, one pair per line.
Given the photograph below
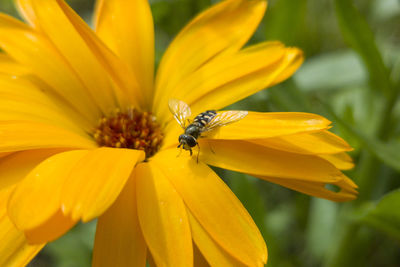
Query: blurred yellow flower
86, 133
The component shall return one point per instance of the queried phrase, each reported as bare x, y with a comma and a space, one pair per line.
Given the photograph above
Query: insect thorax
194, 129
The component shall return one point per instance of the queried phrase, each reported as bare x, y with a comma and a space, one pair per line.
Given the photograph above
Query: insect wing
224, 118
180, 110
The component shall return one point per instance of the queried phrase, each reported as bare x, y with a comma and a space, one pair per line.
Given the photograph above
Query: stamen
131, 129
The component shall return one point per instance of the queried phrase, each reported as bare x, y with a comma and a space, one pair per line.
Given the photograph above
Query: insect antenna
180, 150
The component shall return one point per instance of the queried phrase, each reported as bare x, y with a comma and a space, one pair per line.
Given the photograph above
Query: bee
204, 122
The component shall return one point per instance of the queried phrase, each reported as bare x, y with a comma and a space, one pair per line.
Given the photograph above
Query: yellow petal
224, 70
14, 248
221, 29
124, 83
19, 108
52, 229
198, 259
321, 142
96, 181
347, 187
150, 260
258, 125
206, 196
37, 197
127, 28
294, 58
213, 253
24, 135
342, 161
55, 20
238, 89
22, 100
119, 240
15, 166
10, 66
247, 157
36, 210
163, 218
34, 51
25, 8
3, 154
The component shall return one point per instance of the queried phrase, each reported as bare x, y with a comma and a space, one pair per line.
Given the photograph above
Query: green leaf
329, 71
287, 16
247, 189
387, 152
386, 9
74, 248
385, 216
320, 228
359, 36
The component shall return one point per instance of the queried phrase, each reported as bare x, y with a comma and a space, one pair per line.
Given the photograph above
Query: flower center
132, 129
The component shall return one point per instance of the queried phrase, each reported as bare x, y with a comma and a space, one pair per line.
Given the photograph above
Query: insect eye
191, 141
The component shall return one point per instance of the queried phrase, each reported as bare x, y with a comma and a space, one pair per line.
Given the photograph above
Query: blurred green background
352, 76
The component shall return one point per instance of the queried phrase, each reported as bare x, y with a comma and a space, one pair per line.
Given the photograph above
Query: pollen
131, 129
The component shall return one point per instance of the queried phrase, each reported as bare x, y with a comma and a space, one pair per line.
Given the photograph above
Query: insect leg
198, 152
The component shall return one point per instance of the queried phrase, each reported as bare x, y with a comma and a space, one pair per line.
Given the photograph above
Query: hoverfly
204, 122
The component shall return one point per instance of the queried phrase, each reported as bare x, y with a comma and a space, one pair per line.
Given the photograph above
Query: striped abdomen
197, 126
205, 117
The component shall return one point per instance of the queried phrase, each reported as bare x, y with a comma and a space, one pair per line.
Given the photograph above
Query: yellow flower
67, 91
